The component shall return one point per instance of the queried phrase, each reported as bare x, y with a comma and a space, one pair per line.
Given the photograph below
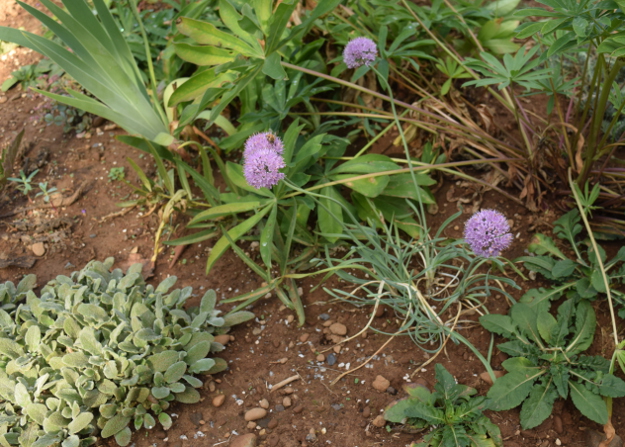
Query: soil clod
381, 383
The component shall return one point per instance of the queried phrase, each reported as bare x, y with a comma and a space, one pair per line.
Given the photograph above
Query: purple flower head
261, 168
487, 232
265, 140
360, 51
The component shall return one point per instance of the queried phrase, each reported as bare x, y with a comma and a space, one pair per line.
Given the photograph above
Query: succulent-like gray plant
100, 351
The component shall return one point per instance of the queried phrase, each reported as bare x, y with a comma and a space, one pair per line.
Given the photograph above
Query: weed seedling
23, 183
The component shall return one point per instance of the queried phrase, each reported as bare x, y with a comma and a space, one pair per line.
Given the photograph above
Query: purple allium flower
360, 51
265, 140
261, 167
487, 232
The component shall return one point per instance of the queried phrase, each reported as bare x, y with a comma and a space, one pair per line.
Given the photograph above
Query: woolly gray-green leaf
80, 422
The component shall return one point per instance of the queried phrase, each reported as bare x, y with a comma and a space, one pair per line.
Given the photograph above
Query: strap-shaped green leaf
234, 233
203, 55
208, 34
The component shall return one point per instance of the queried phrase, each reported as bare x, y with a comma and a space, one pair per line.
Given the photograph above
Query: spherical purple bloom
360, 51
261, 168
261, 141
487, 232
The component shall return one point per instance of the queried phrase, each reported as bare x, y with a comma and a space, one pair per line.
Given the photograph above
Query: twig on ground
285, 382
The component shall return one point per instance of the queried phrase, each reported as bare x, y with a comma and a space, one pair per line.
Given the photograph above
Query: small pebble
331, 359
321, 358
279, 408
324, 317
366, 412
392, 391
247, 440
272, 424
303, 338
298, 409
38, 249
286, 402
255, 413
218, 401
92, 235
264, 404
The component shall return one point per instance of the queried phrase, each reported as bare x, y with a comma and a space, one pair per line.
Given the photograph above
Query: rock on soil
255, 414
338, 329
380, 383
219, 400
38, 249
594, 438
486, 377
379, 421
248, 440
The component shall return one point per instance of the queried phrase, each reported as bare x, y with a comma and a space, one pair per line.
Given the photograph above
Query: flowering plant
488, 233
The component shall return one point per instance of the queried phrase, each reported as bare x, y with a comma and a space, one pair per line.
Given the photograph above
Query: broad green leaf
198, 84
612, 386
123, 437
80, 422
546, 323
189, 396
369, 187
499, 324
266, 237
165, 421
234, 318
231, 18
175, 372
563, 268
273, 68
525, 318
585, 323
519, 364
203, 55
197, 352
590, 405
33, 337
502, 7
538, 406
37, 412
220, 365
278, 24
596, 279
512, 389
225, 210
330, 213
114, 425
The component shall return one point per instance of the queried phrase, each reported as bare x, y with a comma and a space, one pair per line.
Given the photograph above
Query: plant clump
452, 411
100, 352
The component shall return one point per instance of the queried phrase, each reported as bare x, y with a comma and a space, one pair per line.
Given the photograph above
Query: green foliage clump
579, 276
100, 350
453, 410
546, 363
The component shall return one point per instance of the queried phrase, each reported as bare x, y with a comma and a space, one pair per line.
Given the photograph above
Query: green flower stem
591, 236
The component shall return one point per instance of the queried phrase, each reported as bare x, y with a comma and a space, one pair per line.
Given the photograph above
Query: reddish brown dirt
271, 348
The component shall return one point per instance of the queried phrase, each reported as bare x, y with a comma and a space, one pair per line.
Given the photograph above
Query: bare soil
309, 411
